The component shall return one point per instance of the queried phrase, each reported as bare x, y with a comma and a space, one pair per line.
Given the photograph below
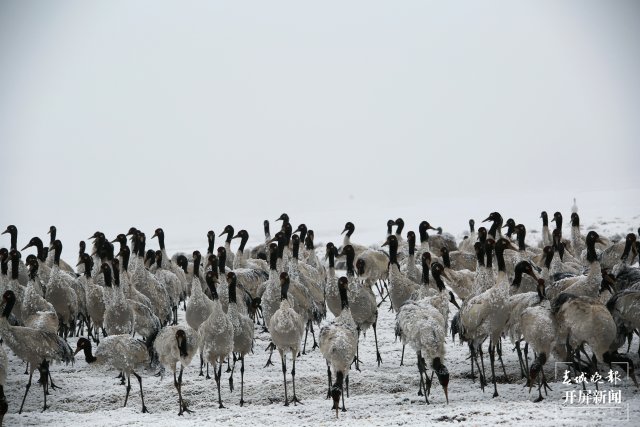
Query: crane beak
487, 219
28, 246
453, 301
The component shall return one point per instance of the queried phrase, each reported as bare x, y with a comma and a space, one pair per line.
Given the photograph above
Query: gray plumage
34, 346
96, 299
122, 353
339, 342
243, 333
332, 294
177, 344
400, 287
36, 311
145, 282
269, 290
582, 319
286, 327
200, 306
118, 314
216, 335
59, 294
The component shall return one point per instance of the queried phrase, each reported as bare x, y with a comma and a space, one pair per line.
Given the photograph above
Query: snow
385, 395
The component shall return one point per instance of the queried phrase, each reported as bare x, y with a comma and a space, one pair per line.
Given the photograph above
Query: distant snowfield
384, 395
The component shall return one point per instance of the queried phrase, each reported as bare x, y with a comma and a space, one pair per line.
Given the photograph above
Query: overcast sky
120, 113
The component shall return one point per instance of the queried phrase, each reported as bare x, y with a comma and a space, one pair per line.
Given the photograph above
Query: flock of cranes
575, 298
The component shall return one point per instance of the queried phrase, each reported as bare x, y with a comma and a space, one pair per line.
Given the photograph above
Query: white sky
194, 114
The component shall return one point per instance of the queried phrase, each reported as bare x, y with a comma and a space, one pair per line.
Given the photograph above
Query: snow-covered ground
384, 395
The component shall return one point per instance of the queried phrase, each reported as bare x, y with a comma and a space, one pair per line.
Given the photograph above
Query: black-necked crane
35, 346
177, 343
338, 344
286, 327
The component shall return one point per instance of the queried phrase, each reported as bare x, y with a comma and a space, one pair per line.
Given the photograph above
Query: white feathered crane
423, 327
34, 346
216, 334
485, 315
122, 353
175, 344
584, 320
539, 330
286, 327
338, 343
242, 333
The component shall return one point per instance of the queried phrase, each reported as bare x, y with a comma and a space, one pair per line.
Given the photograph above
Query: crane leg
526, 359
229, 362
329, 377
520, 360
183, 405
313, 335
422, 373
217, 375
128, 388
375, 336
306, 333
241, 379
483, 377
44, 380
271, 347
344, 409
499, 351
284, 374
492, 359
26, 392
357, 358
346, 380
144, 408
293, 381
